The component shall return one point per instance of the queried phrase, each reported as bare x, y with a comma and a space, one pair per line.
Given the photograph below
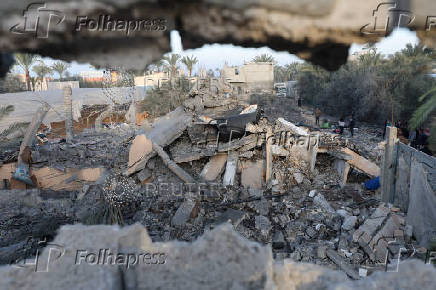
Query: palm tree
189, 62
25, 61
41, 71
291, 70
264, 58
60, 67
423, 113
171, 63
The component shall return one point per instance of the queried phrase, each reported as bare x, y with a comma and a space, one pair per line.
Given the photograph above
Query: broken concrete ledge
220, 259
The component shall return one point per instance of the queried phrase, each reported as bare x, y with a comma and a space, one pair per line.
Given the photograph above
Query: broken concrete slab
231, 166
184, 213
372, 224
215, 167
362, 163
141, 147
248, 142
252, 174
343, 168
163, 132
344, 265
71, 179
144, 175
286, 125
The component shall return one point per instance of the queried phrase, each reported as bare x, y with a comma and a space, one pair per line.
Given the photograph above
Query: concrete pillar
68, 107
387, 178
343, 168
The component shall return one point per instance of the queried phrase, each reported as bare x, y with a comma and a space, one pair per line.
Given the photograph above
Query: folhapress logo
37, 20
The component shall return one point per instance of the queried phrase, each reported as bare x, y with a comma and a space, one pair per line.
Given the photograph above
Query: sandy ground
26, 103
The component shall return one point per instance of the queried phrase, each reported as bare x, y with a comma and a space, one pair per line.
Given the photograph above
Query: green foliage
189, 62
264, 58
373, 87
42, 70
60, 67
25, 61
11, 84
171, 63
4, 112
160, 101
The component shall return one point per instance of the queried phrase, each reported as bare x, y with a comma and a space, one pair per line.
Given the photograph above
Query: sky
213, 56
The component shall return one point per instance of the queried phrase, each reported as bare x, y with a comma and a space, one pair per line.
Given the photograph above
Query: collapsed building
213, 160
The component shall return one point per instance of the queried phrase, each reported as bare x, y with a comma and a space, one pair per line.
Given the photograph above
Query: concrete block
252, 173
214, 167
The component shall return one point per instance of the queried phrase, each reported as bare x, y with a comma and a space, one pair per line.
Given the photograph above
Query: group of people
341, 123
418, 138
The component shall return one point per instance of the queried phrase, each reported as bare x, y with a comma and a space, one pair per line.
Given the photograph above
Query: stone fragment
278, 241
184, 213
231, 166
321, 202
349, 223
299, 177
263, 225
215, 167
235, 217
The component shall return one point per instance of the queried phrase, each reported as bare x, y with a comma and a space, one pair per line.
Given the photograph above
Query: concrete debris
184, 213
321, 202
231, 166
182, 176
215, 167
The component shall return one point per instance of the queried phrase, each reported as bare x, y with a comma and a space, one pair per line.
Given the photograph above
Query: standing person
317, 115
341, 125
299, 101
422, 138
351, 125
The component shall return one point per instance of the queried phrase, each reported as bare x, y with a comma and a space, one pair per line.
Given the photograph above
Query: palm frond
6, 110
422, 113
421, 98
13, 128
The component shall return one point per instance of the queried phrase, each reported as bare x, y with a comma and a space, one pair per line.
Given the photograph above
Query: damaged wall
415, 190
248, 265
320, 31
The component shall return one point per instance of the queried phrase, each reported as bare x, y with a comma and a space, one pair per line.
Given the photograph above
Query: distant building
91, 76
61, 85
251, 77
154, 79
356, 55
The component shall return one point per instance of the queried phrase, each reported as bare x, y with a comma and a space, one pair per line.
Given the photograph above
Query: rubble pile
220, 259
216, 160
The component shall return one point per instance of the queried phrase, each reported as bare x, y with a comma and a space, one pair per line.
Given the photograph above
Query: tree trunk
28, 79
68, 107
